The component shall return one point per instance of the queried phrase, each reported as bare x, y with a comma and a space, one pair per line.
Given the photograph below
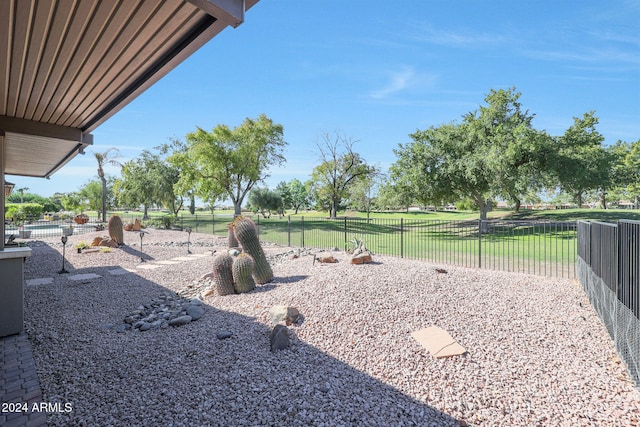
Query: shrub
466, 205
168, 221
13, 212
32, 210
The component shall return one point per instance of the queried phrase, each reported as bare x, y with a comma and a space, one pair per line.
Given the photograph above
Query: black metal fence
42, 228
629, 265
612, 251
609, 271
532, 247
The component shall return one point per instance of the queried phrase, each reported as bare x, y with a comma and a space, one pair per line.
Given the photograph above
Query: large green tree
625, 171
71, 202
493, 152
339, 169
582, 163
294, 194
364, 191
265, 201
149, 181
91, 195
136, 185
396, 194
228, 163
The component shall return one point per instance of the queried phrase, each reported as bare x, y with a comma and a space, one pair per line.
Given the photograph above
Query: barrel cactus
222, 275
242, 271
247, 234
233, 242
116, 230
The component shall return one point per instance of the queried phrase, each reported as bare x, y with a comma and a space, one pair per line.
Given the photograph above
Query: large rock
361, 258
279, 338
179, 321
282, 314
195, 311
326, 259
104, 241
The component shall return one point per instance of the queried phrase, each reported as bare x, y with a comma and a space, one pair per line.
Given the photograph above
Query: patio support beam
2, 201
47, 130
231, 12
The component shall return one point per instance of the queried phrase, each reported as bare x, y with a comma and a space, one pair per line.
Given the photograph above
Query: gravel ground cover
537, 354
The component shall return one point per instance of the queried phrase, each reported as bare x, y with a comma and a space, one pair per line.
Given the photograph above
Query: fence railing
532, 247
609, 270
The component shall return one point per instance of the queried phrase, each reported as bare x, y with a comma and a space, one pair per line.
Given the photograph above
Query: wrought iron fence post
401, 237
302, 229
289, 230
345, 233
619, 261
479, 243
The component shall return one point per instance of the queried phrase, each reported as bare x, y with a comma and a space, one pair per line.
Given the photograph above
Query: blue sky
376, 71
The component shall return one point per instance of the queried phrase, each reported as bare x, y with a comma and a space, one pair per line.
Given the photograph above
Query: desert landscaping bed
537, 354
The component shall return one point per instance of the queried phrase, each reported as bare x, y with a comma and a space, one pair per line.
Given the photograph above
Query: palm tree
103, 159
21, 191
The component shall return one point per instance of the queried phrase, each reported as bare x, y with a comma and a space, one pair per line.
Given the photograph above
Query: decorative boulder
110, 243
104, 241
361, 258
279, 338
281, 314
327, 259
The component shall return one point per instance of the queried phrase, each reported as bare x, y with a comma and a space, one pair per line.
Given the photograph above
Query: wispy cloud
402, 79
460, 39
398, 81
592, 55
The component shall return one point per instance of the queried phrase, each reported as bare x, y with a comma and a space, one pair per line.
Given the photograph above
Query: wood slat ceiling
66, 66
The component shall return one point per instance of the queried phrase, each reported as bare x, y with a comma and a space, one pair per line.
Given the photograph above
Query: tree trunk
146, 212
484, 205
237, 209
104, 198
579, 199
517, 206
192, 205
334, 209
603, 199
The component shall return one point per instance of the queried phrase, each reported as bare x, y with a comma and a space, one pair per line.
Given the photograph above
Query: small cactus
247, 234
116, 230
242, 271
233, 242
222, 275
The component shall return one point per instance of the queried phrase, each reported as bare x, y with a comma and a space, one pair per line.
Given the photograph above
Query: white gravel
538, 354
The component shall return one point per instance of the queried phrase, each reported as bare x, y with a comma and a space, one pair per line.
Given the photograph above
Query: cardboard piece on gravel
438, 342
